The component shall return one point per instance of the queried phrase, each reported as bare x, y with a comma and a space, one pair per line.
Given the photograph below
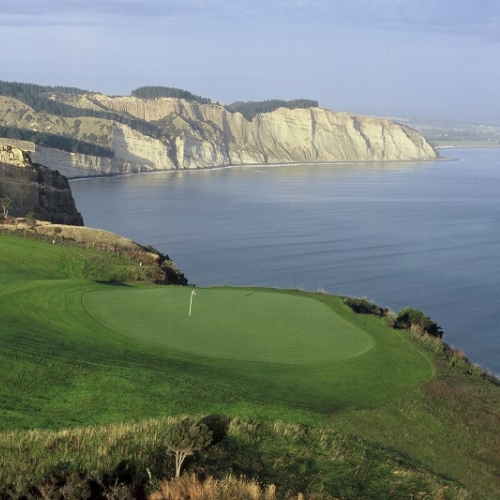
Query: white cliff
208, 135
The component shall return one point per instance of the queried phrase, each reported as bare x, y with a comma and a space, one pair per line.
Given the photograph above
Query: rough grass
229, 488
92, 238
267, 459
450, 424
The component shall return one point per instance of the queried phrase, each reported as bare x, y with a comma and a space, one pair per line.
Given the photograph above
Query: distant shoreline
468, 147
262, 165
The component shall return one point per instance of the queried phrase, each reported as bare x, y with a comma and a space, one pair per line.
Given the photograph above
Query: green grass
290, 355
243, 325
359, 411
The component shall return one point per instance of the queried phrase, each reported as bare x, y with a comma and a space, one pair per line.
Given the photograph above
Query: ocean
419, 234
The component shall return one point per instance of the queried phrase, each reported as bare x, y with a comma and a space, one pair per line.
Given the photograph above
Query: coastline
260, 165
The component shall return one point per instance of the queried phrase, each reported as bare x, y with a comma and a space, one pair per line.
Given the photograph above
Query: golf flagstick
191, 301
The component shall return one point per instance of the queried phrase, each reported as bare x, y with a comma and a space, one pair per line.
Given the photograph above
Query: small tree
31, 220
5, 201
185, 438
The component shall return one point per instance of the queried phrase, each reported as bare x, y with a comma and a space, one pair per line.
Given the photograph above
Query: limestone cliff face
35, 188
207, 135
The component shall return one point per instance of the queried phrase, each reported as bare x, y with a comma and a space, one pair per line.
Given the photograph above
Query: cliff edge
34, 188
210, 135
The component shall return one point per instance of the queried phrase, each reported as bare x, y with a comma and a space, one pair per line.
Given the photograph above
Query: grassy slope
88, 373
15, 113
60, 367
451, 425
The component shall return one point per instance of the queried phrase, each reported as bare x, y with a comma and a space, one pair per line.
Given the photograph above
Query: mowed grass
236, 324
269, 354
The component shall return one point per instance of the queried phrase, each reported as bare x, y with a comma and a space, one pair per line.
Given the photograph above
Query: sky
418, 59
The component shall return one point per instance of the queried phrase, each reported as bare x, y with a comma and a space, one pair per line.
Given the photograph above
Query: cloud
478, 18
433, 12
141, 8
416, 12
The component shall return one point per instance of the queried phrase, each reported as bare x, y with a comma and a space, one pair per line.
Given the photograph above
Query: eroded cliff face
210, 135
35, 188
207, 135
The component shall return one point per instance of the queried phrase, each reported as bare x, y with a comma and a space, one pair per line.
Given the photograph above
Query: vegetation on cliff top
39, 98
48, 140
152, 92
250, 109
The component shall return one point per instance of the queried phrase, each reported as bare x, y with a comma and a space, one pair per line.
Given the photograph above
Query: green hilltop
303, 394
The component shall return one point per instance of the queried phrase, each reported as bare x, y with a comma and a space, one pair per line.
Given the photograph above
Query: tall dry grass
229, 488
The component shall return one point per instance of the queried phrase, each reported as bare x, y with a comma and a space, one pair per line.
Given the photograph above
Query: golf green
234, 324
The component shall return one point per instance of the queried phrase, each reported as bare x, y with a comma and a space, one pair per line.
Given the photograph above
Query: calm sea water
425, 235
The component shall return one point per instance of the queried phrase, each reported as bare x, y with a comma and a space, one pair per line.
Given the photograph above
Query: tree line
11, 88
249, 109
152, 92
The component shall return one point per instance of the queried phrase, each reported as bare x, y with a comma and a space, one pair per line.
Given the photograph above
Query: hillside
83, 134
388, 414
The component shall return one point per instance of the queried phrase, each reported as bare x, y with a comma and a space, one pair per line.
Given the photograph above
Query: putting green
235, 324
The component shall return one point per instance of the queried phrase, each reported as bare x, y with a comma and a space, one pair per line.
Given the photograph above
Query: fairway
236, 324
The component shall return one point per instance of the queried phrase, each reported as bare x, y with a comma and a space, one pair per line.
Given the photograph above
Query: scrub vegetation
100, 379
250, 109
45, 105
152, 92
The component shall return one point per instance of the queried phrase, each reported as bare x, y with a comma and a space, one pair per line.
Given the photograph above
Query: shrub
219, 426
31, 220
364, 306
409, 318
185, 438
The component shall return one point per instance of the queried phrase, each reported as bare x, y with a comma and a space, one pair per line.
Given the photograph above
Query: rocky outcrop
35, 188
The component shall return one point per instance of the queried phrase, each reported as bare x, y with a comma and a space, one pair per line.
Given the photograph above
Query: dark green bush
409, 317
218, 425
364, 306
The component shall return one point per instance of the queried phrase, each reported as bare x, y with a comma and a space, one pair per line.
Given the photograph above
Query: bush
409, 318
218, 425
186, 437
31, 220
364, 306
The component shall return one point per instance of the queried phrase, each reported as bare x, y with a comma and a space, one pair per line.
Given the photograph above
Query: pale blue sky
408, 58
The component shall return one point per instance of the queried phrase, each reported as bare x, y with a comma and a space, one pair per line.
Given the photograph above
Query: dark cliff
35, 188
